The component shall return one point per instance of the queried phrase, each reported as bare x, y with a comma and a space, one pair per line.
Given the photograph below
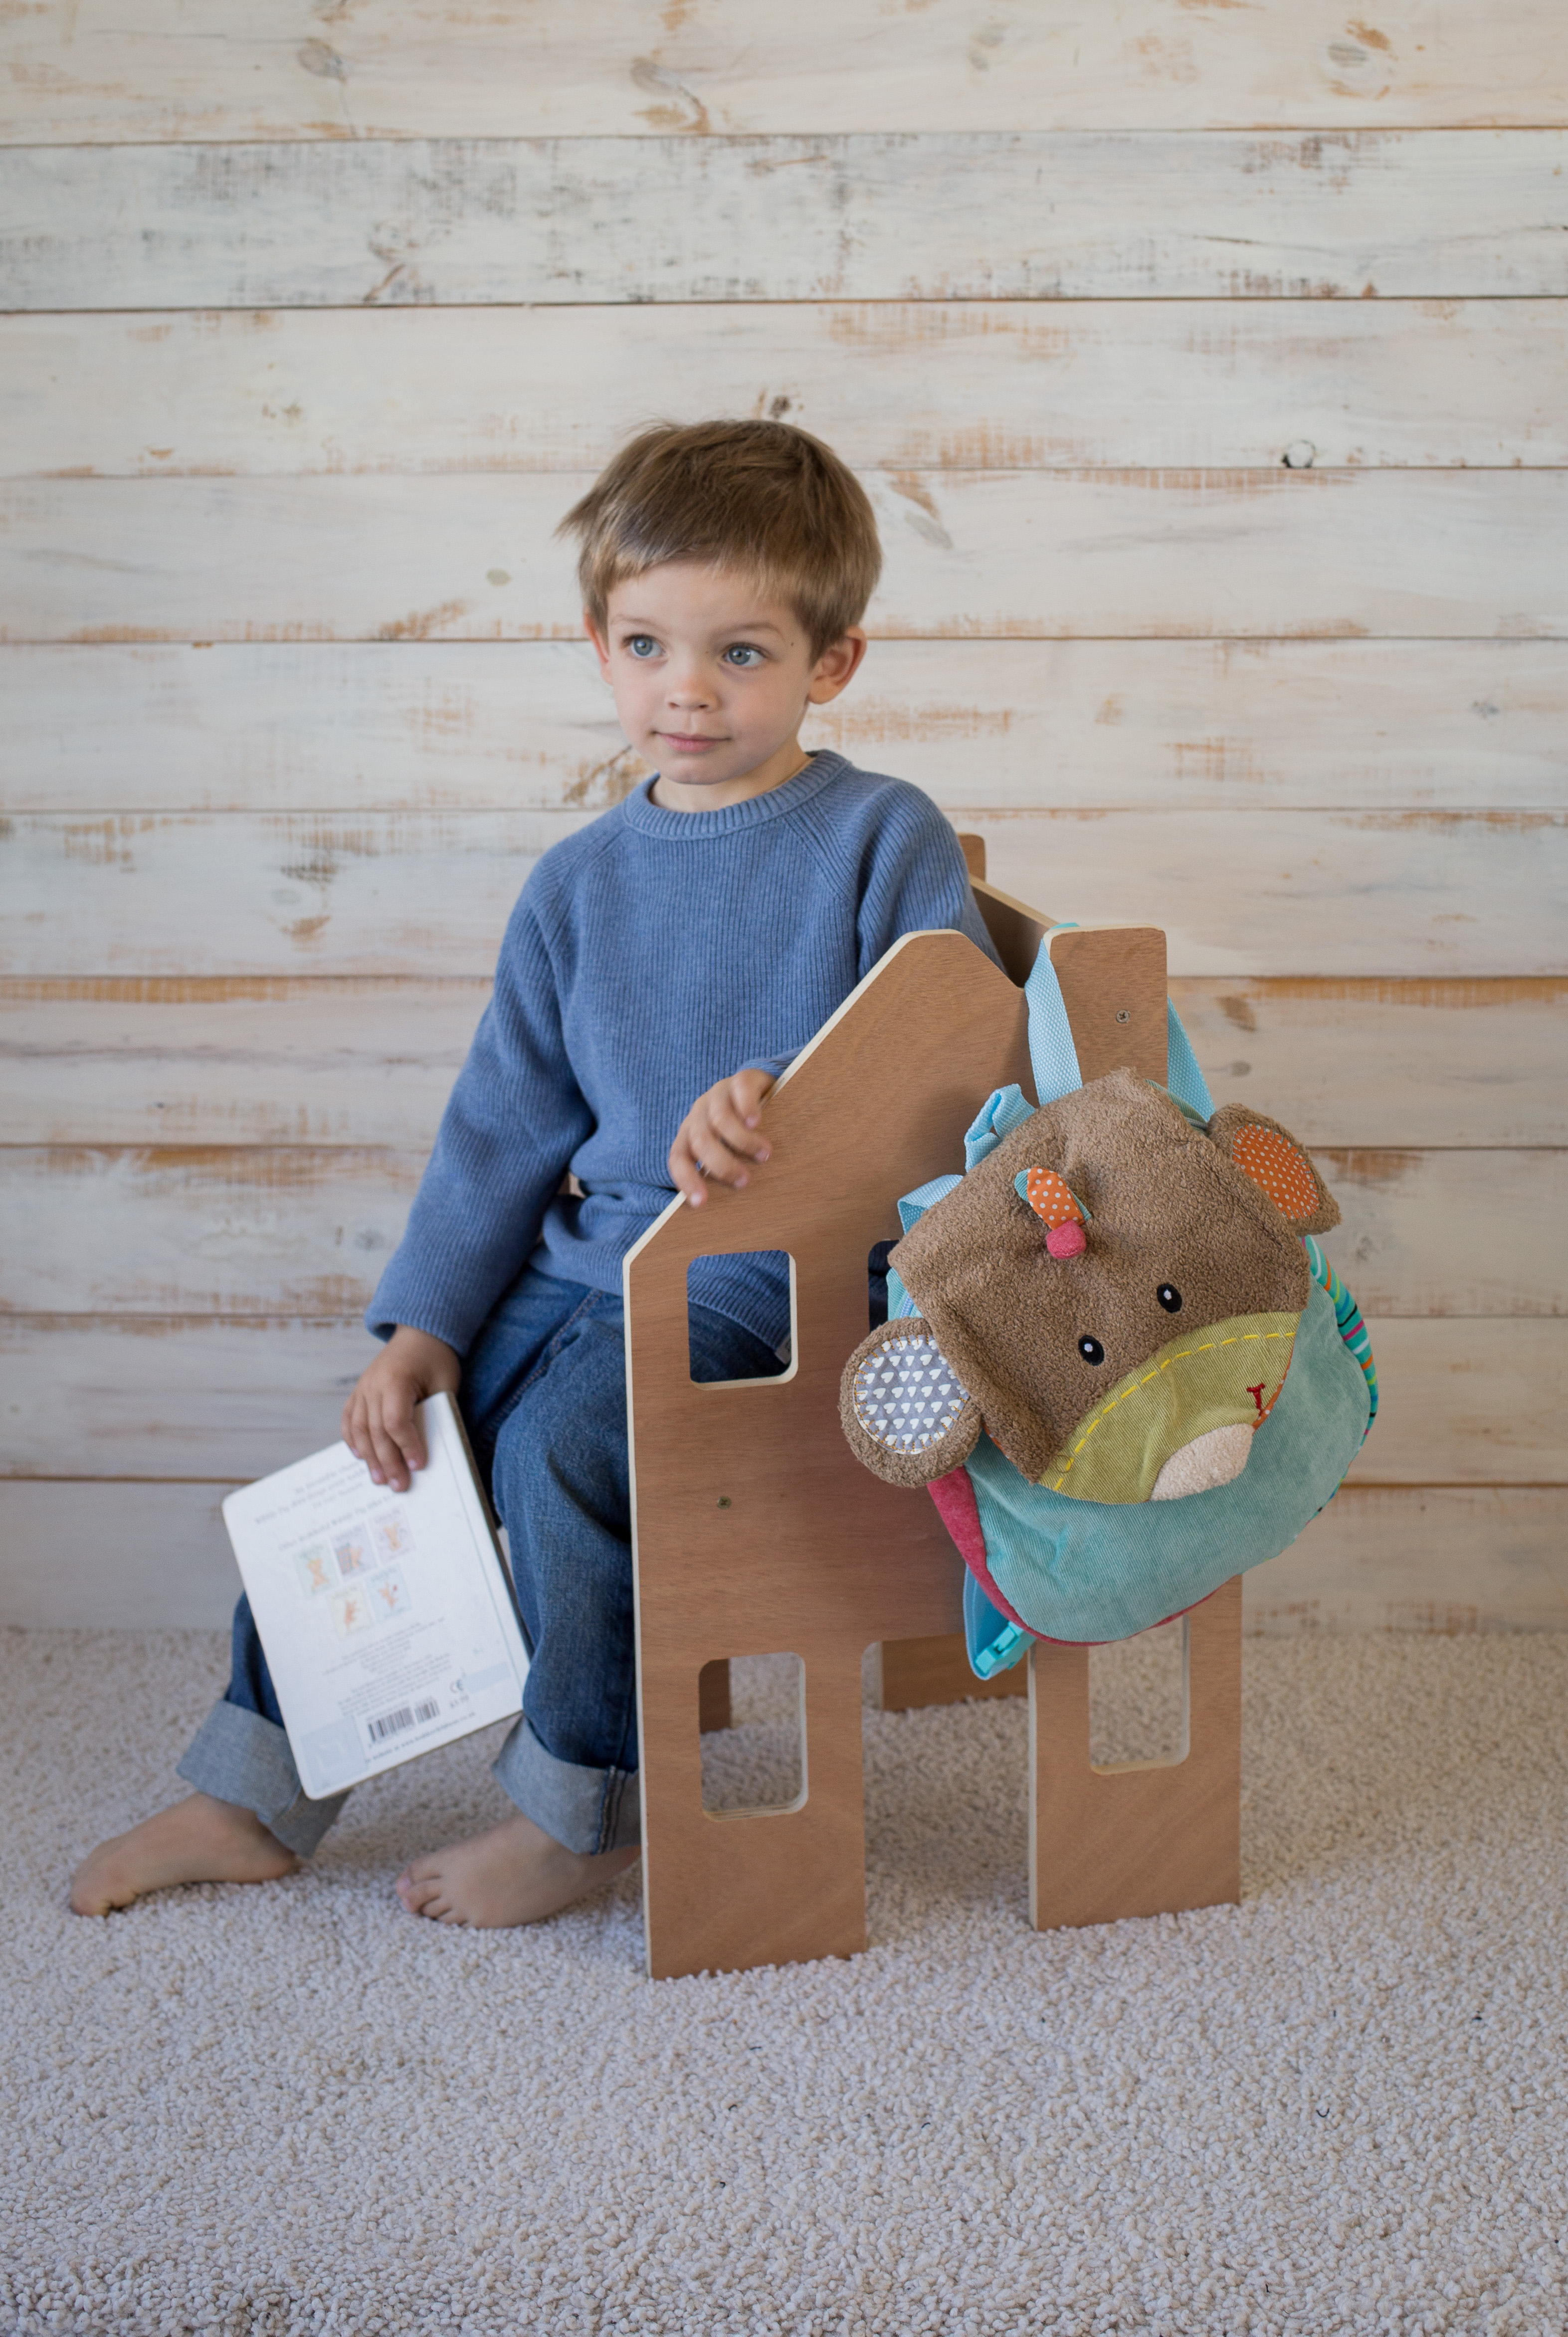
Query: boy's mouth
687, 744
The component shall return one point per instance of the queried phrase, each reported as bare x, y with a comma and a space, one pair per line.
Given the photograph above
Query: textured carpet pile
1342, 2106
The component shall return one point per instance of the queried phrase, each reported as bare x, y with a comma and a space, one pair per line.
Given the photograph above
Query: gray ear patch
906, 1394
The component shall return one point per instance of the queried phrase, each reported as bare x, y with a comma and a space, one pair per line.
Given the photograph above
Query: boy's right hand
717, 1137
379, 1421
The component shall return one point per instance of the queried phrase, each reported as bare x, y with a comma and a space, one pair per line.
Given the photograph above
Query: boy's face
712, 675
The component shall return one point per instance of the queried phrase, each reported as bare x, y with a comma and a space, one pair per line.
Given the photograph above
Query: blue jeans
543, 1399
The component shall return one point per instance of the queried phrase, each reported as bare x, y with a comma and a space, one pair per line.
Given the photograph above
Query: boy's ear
1278, 1166
836, 667
601, 645
904, 1412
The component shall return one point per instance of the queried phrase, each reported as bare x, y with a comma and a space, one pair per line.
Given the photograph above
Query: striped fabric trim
1348, 1314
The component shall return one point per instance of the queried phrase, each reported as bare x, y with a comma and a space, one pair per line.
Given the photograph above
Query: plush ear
1278, 1165
904, 1412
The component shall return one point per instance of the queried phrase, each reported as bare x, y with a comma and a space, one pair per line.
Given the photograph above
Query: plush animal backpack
1115, 1355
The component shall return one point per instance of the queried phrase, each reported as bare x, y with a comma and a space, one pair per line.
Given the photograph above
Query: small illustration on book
351, 1612
388, 1597
393, 1538
352, 1555
314, 1564
407, 1716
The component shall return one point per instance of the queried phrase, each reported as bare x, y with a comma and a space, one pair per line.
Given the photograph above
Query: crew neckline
650, 818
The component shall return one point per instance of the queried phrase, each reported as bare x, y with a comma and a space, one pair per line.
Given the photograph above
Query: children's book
387, 1618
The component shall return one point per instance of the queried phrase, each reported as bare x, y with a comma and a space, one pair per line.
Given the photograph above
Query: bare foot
199, 1840
516, 1873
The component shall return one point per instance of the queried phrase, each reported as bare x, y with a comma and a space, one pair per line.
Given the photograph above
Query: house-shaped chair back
756, 1531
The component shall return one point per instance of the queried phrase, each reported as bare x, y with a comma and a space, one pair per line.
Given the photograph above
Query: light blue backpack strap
1182, 1076
992, 1643
1052, 1053
913, 1206
1003, 1110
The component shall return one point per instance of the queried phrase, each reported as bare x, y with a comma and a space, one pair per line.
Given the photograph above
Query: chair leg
726, 1892
1142, 1838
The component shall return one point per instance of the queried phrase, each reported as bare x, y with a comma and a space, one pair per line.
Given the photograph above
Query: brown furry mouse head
1110, 1296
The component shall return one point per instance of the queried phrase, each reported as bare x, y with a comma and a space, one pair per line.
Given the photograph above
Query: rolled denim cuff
585, 1809
239, 1757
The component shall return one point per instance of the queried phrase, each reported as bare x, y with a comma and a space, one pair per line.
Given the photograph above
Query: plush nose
1207, 1462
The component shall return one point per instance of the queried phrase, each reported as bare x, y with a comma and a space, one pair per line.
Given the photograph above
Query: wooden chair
756, 1531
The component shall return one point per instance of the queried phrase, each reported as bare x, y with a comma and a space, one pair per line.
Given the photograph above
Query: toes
424, 1896
91, 1895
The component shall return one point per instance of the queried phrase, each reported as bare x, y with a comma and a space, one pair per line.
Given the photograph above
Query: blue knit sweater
651, 955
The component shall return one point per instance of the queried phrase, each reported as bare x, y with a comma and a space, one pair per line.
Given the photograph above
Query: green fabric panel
1190, 1385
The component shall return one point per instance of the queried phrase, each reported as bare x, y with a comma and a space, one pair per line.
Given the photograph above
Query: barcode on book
407, 1716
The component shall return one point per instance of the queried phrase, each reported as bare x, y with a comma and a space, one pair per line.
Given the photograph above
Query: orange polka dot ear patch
1057, 1207
1272, 1161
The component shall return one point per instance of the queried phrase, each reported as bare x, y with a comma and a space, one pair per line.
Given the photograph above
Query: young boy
687, 943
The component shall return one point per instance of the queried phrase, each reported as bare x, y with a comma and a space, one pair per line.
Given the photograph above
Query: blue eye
642, 645
742, 655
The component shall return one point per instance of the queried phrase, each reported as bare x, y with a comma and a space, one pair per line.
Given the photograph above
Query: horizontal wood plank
282, 1232
1380, 893
1448, 1560
424, 893
155, 1557
158, 1397
1304, 893
1388, 1063
153, 1396
117, 1557
306, 1230
972, 554
510, 726
411, 725
282, 1060
1450, 1233
942, 386
1027, 215
241, 1062
83, 70
1468, 1401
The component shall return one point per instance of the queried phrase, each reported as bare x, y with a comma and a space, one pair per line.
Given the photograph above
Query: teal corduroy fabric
1093, 1570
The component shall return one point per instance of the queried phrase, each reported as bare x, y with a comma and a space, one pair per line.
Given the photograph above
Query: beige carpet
1341, 2106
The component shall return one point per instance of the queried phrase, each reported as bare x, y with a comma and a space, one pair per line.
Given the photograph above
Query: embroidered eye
1170, 1297
1092, 1351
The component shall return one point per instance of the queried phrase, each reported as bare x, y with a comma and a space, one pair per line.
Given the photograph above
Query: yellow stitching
1236, 1338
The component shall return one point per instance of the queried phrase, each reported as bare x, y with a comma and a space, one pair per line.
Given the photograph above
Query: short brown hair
761, 496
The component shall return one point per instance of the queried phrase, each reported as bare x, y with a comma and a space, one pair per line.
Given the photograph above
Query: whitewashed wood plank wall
1206, 367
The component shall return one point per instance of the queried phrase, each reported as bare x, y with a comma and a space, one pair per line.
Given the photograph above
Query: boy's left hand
717, 1137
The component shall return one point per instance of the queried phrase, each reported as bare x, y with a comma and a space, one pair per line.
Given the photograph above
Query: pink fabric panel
960, 1513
